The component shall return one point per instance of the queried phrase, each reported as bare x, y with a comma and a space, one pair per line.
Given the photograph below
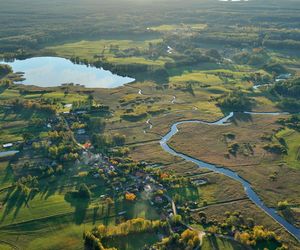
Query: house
283, 77
69, 105
139, 174
80, 112
158, 199
87, 145
96, 176
7, 145
148, 188
8, 154
81, 131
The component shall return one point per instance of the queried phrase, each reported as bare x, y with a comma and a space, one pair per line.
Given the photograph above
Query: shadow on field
80, 205
213, 242
2, 89
8, 174
48, 191
16, 199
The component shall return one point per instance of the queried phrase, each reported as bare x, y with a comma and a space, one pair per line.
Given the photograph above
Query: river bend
294, 231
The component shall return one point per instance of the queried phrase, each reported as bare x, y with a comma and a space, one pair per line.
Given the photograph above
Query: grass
138, 60
133, 242
138, 209
88, 49
14, 125
65, 98
50, 220
218, 188
61, 233
213, 242
5, 247
6, 174
16, 211
9, 94
65, 221
185, 194
197, 77
168, 27
292, 139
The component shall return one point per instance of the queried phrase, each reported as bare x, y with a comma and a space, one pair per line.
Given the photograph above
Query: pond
55, 71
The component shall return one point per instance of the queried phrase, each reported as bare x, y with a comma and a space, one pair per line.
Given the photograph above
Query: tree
130, 196
235, 101
53, 152
203, 218
176, 219
282, 205
100, 141
213, 53
36, 122
96, 124
5, 69
27, 137
275, 68
118, 140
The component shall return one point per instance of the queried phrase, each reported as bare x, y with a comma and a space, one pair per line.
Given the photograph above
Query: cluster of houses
283, 77
140, 183
137, 184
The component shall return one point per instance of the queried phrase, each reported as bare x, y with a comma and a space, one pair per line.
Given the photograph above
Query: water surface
54, 71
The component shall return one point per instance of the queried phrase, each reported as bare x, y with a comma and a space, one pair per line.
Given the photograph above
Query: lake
54, 71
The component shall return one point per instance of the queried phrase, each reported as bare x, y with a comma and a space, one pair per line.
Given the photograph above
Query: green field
220, 243
107, 48
292, 139
168, 27
197, 77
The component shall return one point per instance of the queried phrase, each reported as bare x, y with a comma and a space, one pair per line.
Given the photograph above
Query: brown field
257, 167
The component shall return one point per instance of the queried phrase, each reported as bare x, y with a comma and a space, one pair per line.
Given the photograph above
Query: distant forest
32, 24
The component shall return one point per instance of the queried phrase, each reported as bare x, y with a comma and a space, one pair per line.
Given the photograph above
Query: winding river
294, 231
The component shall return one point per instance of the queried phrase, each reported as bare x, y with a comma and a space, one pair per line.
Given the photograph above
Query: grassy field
61, 233
210, 242
65, 219
6, 175
108, 49
217, 189
182, 27
292, 139
15, 125
197, 77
